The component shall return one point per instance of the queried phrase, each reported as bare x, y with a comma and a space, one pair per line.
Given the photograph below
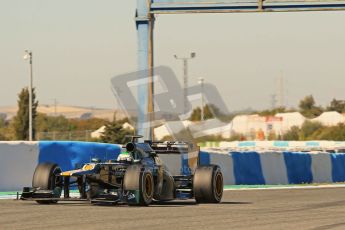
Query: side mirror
96, 160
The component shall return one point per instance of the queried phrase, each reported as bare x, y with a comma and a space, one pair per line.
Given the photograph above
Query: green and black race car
137, 177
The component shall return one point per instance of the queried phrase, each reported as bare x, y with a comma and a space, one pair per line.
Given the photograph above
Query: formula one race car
137, 177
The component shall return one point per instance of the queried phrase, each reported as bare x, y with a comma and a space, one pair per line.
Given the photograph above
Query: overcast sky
79, 45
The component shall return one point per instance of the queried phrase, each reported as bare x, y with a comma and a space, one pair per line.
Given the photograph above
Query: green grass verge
258, 186
276, 186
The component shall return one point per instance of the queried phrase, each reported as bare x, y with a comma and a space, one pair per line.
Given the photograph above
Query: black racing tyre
140, 182
208, 184
46, 178
92, 192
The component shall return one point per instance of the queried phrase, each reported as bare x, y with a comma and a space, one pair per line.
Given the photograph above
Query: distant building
257, 127
210, 127
3, 116
330, 118
99, 132
165, 130
290, 119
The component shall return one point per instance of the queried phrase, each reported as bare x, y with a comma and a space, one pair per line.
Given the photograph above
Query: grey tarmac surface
318, 209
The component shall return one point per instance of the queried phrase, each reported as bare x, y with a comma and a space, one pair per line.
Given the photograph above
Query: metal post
28, 55
145, 24
151, 80
30, 100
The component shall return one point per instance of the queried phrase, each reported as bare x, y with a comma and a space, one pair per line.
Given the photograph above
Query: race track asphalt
318, 209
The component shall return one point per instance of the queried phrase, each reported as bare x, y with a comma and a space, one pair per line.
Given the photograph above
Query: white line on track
8, 197
13, 197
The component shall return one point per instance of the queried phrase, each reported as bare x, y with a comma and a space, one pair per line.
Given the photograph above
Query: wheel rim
218, 188
57, 180
148, 187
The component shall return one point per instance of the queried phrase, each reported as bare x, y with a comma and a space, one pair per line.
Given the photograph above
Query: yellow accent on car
66, 173
88, 167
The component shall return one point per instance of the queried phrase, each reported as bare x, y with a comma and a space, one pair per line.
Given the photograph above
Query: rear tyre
138, 182
46, 178
208, 184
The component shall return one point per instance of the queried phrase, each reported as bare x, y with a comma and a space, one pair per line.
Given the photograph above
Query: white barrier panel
273, 168
173, 162
17, 163
226, 164
321, 167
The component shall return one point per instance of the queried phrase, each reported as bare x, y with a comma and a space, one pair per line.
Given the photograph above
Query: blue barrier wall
204, 158
338, 167
67, 154
185, 167
298, 166
247, 168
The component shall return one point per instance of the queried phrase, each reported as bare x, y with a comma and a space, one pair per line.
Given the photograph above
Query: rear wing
190, 151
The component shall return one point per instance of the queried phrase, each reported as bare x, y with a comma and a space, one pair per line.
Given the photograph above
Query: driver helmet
125, 157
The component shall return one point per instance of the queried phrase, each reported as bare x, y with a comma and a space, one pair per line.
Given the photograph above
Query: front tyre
138, 185
46, 177
208, 184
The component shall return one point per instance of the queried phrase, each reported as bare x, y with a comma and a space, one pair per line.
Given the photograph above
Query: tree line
309, 130
18, 127
307, 107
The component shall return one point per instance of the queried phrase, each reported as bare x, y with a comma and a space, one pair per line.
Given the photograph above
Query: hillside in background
70, 112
